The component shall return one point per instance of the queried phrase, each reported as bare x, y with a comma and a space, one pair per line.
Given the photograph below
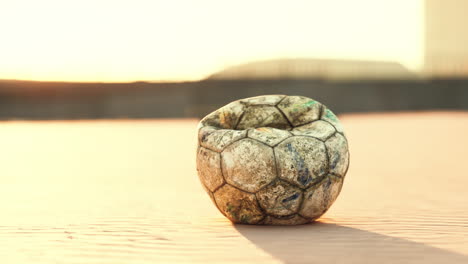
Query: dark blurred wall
342, 97
53, 100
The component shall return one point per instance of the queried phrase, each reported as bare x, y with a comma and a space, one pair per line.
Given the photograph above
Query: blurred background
121, 186
183, 59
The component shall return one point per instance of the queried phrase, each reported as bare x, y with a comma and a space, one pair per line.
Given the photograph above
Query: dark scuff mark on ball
335, 161
327, 184
304, 175
205, 135
303, 172
290, 198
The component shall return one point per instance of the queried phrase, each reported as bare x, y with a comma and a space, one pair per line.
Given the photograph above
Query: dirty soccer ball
272, 159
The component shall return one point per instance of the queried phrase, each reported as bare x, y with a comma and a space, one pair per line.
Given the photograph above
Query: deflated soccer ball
272, 159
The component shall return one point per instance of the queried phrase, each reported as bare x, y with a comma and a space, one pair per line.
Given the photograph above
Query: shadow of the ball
322, 242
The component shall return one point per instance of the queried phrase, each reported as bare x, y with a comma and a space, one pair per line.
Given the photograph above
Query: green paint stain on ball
330, 115
299, 107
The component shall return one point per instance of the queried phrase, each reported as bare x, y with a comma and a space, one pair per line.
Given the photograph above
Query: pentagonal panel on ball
225, 117
285, 220
280, 198
262, 116
248, 165
338, 154
330, 117
238, 206
318, 129
209, 168
263, 100
300, 110
268, 135
318, 198
216, 139
301, 160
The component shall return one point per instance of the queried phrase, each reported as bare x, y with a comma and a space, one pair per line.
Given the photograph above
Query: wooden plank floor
127, 192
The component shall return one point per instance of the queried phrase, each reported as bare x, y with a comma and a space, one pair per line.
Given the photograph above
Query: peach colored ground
127, 192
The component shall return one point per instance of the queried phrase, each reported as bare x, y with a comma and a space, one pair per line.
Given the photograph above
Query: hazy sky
128, 40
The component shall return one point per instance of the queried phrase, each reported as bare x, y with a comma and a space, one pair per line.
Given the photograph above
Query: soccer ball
272, 159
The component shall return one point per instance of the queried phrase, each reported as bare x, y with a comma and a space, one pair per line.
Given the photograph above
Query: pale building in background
446, 38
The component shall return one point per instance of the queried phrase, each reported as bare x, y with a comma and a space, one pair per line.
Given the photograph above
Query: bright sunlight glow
129, 40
